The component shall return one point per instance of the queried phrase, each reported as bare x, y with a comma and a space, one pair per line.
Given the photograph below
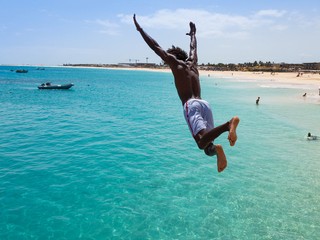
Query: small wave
288, 86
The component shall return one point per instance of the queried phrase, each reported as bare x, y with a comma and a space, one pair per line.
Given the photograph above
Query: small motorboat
51, 86
21, 71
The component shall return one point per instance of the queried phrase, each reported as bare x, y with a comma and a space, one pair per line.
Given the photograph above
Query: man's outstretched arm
151, 42
193, 56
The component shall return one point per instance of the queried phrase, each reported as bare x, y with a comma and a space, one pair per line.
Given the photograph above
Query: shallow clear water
112, 158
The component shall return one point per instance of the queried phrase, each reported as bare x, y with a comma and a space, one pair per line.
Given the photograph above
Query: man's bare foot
221, 158
232, 130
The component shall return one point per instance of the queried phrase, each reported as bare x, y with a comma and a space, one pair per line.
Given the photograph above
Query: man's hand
192, 29
136, 23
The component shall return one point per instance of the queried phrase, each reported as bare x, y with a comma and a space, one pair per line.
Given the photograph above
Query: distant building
312, 66
144, 65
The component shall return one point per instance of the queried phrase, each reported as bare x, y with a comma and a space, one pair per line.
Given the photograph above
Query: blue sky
95, 31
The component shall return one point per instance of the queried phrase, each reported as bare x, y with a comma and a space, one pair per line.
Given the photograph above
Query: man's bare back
186, 81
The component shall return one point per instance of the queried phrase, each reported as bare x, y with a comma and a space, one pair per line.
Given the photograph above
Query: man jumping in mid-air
197, 111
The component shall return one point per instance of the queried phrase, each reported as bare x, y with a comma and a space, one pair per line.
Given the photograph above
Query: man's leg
212, 150
221, 158
204, 138
232, 130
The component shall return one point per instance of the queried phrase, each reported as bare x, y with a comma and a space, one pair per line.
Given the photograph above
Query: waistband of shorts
193, 99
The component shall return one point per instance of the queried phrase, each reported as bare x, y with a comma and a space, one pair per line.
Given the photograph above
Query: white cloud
208, 23
279, 27
264, 33
211, 24
271, 13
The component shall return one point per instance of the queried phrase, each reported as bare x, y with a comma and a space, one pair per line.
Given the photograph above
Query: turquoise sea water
112, 158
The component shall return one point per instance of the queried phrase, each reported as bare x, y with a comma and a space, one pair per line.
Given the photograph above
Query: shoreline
311, 80
265, 77
276, 77
285, 77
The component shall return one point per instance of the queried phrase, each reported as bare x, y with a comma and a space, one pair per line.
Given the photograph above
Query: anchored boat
52, 86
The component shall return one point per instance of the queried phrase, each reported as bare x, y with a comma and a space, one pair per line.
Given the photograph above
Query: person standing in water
257, 101
197, 111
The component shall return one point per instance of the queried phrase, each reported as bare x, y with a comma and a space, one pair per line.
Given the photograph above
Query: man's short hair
178, 53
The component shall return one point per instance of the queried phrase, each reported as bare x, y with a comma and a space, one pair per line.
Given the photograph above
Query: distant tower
147, 60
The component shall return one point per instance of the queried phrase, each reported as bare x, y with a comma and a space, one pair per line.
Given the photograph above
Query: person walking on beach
197, 111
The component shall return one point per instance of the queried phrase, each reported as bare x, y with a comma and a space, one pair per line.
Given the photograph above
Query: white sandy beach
278, 77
